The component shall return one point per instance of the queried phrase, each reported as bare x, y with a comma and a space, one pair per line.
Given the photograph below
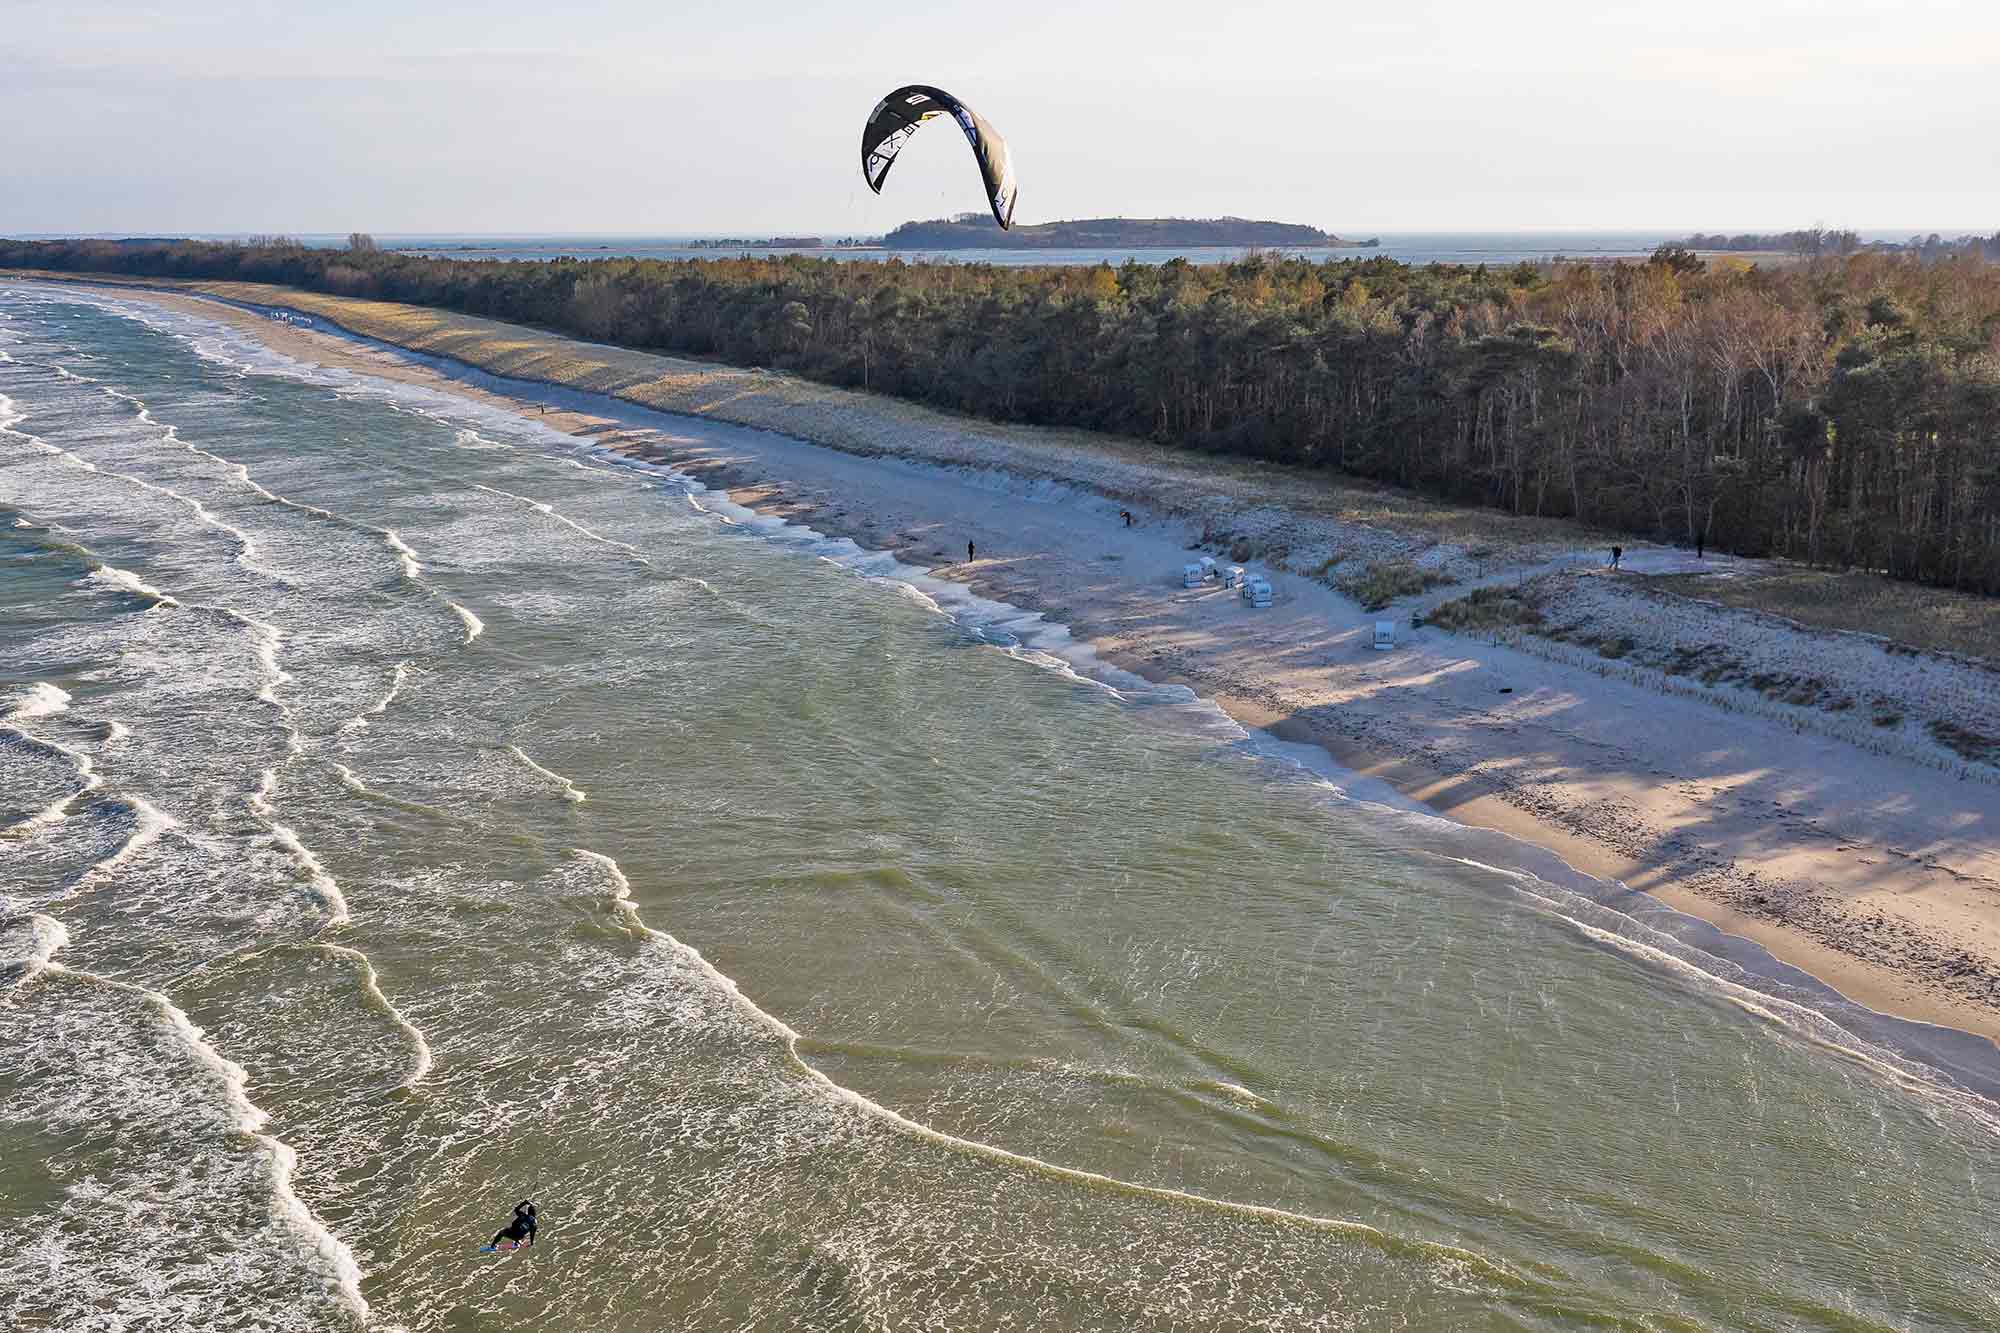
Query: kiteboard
503, 1249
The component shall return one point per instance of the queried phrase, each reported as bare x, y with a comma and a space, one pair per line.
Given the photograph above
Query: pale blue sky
638, 116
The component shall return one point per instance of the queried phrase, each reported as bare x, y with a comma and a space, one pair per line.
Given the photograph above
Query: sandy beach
1859, 849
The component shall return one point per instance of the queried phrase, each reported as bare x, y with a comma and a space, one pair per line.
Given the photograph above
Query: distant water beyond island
975, 231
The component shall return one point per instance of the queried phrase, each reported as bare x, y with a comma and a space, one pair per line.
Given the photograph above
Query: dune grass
1907, 614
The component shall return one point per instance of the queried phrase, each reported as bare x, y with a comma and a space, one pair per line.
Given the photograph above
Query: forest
1817, 241
1842, 410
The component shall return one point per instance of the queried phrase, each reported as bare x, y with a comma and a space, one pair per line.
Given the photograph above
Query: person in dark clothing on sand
1126, 514
522, 1229
1700, 541
968, 553
1617, 554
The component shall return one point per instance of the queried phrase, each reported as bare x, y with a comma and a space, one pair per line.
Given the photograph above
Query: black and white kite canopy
897, 116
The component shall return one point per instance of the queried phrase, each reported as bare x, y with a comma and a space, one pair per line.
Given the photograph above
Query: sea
1468, 248
407, 810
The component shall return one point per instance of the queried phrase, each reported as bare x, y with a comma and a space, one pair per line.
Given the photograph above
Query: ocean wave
570, 791
359, 722
474, 626
371, 985
621, 903
314, 874
550, 511
29, 945
246, 546
39, 700
312, 1238
405, 557
149, 825
56, 811
126, 581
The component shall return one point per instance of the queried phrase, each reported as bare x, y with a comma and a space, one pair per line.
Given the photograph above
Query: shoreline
1199, 639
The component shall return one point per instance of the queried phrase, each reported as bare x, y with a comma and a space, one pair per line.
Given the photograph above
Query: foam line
44, 936
151, 824
405, 557
39, 700
420, 1049
246, 546
550, 511
360, 721
126, 581
323, 884
239, 473
474, 626
570, 791
621, 899
59, 810
249, 1120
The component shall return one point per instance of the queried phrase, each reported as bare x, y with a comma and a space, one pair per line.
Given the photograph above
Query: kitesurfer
968, 553
522, 1229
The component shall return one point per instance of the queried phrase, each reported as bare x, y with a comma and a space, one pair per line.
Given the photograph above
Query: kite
897, 116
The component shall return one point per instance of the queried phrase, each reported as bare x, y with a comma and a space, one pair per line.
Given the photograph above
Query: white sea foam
420, 1048
474, 626
126, 581
39, 700
621, 902
58, 810
405, 557
29, 945
322, 883
570, 791
473, 440
149, 824
246, 547
310, 870
380, 706
550, 511
312, 1237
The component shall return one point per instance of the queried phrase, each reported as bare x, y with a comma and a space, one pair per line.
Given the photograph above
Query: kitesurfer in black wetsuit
522, 1229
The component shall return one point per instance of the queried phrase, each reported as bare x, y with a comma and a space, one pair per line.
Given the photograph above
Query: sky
666, 117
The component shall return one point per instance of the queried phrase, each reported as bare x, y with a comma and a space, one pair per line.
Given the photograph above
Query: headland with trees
1842, 410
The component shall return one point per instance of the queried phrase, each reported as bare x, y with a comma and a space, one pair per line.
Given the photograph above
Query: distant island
778, 243
975, 231
1813, 242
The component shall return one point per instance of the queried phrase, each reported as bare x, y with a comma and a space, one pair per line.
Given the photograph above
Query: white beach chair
1385, 635
1233, 578
1207, 568
1257, 590
1190, 576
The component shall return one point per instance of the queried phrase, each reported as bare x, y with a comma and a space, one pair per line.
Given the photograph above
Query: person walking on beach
1126, 514
522, 1229
1700, 540
968, 553
1617, 554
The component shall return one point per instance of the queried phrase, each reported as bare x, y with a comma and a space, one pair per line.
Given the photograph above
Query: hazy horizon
616, 119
